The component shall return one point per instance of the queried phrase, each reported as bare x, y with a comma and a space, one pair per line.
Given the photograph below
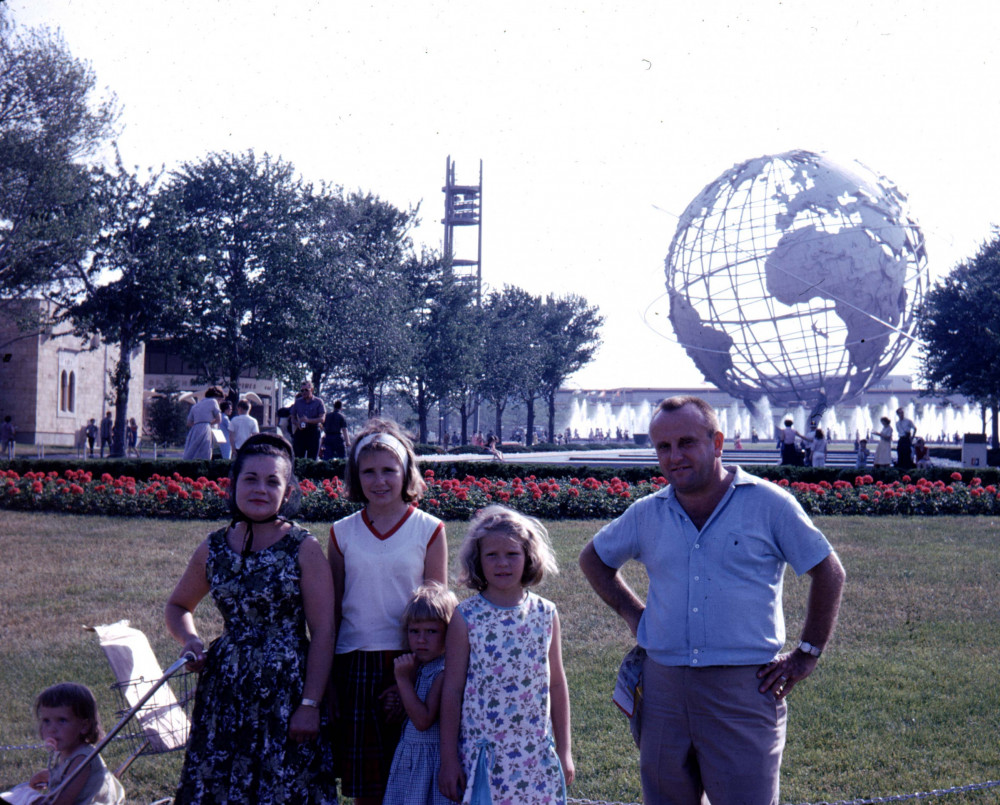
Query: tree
386, 281
447, 332
959, 328
167, 416
149, 290
48, 127
510, 359
318, 350
242, 230
570, 339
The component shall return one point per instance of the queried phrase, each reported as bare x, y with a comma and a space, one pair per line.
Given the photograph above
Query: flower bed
79, 492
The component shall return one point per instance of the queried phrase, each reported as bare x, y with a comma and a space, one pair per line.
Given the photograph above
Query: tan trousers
708, 735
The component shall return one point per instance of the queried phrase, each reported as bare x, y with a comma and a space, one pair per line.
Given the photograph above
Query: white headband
385, 439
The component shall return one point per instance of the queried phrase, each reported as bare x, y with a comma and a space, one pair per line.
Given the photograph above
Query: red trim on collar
391, 531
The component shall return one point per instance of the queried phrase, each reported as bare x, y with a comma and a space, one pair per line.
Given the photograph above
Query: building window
67, 391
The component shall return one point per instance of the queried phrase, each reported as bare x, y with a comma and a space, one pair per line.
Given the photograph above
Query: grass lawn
905, 699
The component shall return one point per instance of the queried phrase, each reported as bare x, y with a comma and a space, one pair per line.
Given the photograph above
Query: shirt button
694, 662
696, 651
695, 609
697, 545
697, 578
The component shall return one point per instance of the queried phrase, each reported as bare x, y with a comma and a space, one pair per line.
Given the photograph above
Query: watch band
810, 649
309, 702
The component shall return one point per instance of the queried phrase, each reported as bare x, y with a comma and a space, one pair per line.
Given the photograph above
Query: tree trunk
371, 401
995, 409
463, 413
499, 422
120, 381
421, 413
529, 434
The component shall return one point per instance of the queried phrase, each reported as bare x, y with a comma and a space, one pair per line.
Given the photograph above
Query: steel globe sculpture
796, 278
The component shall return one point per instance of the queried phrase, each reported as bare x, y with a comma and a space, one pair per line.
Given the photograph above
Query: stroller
155, 716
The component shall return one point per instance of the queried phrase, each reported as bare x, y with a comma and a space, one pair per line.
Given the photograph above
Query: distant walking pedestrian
883, 452
905, 430
202, 417
307, 414
335, 437
789, 450
107, 430
91, 431
132, 439
7, 434
225, 446
242, 426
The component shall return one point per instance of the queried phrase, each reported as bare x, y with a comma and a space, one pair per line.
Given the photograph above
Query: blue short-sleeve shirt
715, 594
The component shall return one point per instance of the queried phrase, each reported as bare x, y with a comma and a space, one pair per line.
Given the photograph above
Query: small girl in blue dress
413, 778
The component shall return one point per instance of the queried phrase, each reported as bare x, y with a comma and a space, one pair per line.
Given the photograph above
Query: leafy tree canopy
959, 328
50, 124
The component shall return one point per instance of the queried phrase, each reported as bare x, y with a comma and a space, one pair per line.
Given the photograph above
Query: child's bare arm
69, 794
451, 778
39, 780
423, 714
559, 694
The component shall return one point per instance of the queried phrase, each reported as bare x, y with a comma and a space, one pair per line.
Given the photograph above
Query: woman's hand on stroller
196, 648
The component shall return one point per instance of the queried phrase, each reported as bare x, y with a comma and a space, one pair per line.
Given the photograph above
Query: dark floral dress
252, 683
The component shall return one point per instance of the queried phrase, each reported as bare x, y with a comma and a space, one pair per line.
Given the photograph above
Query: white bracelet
309, 702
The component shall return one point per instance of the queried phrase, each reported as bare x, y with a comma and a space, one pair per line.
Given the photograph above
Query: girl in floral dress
255, 737
505, 722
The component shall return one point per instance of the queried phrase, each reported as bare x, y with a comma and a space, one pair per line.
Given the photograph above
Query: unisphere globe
796, 278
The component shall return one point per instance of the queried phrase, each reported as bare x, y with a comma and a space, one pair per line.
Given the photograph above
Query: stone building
165, 369
52, 382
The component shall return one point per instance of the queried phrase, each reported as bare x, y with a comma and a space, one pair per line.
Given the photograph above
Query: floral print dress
506, 727
252, 683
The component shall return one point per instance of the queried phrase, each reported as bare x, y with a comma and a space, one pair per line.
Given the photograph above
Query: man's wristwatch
810, 649
309, 702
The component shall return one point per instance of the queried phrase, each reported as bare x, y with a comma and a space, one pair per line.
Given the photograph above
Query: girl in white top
379, 556
818, 443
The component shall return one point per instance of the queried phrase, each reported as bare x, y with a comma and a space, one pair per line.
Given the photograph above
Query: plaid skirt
366, 740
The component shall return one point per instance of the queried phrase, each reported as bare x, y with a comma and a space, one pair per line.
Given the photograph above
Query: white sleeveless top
381, 572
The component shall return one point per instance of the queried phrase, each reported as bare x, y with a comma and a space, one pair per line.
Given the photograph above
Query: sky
597, 123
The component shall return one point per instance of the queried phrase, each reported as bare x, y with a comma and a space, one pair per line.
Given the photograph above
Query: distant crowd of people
313, 431
810, 450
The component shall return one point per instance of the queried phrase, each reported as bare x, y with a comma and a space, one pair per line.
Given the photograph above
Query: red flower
956, 476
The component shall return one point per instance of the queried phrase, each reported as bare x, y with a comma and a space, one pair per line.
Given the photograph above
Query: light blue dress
413, 778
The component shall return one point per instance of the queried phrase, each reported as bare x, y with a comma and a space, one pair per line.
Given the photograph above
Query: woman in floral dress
256, 724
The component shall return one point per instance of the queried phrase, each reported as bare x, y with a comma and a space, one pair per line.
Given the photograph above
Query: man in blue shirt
308, 413
715, 543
